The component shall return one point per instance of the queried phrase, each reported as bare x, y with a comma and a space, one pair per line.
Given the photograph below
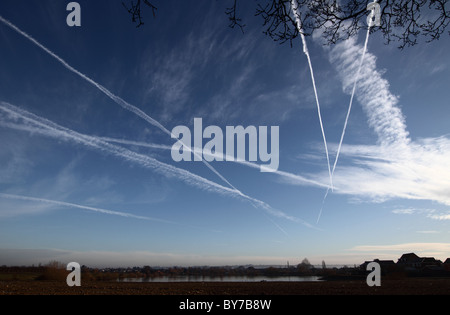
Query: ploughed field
408, 286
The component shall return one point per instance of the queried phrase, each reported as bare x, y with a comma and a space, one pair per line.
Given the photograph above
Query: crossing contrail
44, 126
290, 176
351, 100
119, 101
36, 124
348, 115
294, 6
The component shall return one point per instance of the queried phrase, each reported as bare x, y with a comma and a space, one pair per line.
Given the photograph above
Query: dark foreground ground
410, 286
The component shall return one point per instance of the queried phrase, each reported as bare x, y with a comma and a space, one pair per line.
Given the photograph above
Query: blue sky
68, 192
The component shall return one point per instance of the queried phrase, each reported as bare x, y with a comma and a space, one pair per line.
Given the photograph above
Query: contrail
351, 100
373, 93
323, 204
49, 128
119, 101
95, 209
277, 225
137, 143
348, 115
294, 6
294, 177
73, 205
43, 126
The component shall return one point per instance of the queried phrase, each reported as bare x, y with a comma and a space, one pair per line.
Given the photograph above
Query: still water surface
218, 279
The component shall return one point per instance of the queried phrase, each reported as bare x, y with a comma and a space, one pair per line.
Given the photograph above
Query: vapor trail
137, 143
351, 99
73, 205
323, 204
290, 176
294, 6
95, 209
294, 177
348, 115
119, 101
46, 127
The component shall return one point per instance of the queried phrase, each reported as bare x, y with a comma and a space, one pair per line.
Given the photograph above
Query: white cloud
437, 68
379, 172
412, 211
439, 217
396, 167
428, 232
372, 92
417, 171
403, 211
433, 214
437, 250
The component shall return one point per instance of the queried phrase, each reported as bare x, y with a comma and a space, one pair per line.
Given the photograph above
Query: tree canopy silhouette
402, 21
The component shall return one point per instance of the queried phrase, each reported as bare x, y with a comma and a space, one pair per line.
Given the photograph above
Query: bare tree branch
402, 21
135, 11
234, 21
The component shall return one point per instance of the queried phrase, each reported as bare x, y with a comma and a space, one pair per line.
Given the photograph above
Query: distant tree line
57, 271
409, 265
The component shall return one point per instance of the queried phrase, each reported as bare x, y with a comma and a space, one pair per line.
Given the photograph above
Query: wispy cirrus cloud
428, 232
118, 100
410, 211
372, 92
421, 248
397, 166
418, 171
176, 78
14, 161
434, 214
439, 217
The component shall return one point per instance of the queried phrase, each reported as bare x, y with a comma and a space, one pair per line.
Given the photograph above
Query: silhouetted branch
401, 20
234, 20
135, 10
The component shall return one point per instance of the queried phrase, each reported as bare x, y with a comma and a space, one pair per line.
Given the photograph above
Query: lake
220, 279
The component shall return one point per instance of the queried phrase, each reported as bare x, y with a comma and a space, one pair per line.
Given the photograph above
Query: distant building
409, 261
412, 265
385, 265
413, 262
431, 264
446, 264
429, 261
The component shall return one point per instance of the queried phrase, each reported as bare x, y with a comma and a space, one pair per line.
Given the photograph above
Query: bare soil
410, 286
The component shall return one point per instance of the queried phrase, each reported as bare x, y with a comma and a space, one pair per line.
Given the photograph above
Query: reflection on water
218, 279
